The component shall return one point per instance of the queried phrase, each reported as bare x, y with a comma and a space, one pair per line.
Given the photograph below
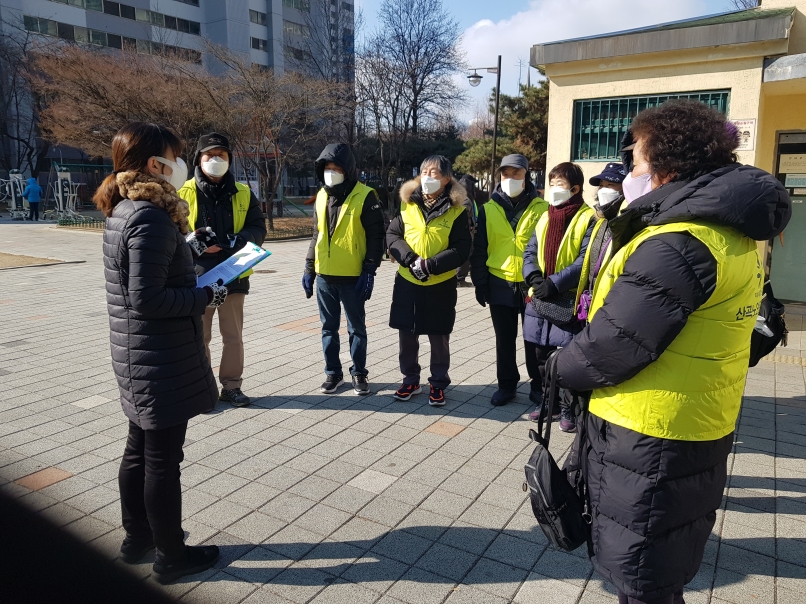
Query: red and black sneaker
405, 392
437, 397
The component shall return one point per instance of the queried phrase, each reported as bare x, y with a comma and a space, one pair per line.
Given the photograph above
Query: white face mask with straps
215, 166
179, 172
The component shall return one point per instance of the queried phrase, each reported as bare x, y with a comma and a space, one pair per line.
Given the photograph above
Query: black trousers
33, 211
150, 493
440, 358
538, 355
505, 323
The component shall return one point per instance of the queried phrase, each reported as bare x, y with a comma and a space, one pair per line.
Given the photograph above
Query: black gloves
201, 239
481, 295
534, 279
307, 283
237, 241
366, 281
546, 289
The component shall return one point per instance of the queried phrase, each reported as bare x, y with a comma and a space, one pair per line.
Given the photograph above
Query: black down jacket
155, 314
428, 309
654, 500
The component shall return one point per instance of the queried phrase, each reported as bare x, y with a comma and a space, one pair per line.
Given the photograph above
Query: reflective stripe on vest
504, 246
240, 206
571, 242
693, 391
427, 240
343, 254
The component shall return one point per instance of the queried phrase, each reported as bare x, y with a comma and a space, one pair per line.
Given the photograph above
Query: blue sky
511, 27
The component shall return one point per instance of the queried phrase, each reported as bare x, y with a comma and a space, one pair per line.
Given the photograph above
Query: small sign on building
792, 163
747, 134
795, 180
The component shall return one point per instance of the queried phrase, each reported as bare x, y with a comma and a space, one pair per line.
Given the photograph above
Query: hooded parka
423, 308
348, 223
155, 312
682, 256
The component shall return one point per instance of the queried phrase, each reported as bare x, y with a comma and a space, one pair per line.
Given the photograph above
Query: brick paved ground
341, 498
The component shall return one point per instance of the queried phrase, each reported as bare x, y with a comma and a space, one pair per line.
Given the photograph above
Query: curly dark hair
685, 138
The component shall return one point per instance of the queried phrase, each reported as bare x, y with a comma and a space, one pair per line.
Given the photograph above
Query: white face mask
333, 178
512, 187
635, 187
607, 196
558, 195
215, 166
179, 172
430, 185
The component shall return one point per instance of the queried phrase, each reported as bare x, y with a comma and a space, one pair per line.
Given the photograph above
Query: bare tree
744, 4
421, 39
273, 121
22, 145
91, 93
481, 124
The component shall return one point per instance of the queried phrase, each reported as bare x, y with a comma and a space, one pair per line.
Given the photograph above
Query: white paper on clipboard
243, 260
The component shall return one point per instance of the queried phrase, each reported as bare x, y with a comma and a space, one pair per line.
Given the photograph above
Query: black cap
210, 141
613, 172
515, 160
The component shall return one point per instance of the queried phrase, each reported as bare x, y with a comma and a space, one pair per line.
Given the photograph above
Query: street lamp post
475, 80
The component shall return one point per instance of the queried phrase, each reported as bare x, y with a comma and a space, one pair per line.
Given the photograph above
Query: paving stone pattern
348, 499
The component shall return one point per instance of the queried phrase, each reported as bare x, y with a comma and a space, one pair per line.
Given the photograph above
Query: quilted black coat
155, 313
654, 500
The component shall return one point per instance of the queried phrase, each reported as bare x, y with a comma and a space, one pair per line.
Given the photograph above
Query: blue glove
366, 281
307, 283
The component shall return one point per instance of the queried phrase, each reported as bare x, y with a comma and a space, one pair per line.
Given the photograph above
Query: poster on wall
792, 163
795, 180
747, 134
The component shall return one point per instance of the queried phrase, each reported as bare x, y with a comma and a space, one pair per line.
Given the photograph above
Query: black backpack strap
582, 428
550, 394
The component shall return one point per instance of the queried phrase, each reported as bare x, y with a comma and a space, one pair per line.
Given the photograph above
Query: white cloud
550, 20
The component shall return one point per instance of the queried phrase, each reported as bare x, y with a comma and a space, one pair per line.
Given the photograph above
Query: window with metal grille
600, 124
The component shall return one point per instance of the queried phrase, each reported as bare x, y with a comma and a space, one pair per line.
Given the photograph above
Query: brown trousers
230, 324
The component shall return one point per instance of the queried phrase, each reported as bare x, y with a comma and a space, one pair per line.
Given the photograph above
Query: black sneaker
568, 422
235, 397
132, 551
331, 383
437, 397
360, 385
196, 560
502, 397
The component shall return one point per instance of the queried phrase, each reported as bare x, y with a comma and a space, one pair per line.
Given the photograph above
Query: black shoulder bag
770, 329
560, 508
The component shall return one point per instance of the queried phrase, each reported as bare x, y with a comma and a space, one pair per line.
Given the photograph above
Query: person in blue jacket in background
33, 193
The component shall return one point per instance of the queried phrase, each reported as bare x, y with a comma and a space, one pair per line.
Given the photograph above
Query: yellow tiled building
749, 64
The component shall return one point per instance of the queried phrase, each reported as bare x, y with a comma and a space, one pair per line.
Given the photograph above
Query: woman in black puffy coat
158, 353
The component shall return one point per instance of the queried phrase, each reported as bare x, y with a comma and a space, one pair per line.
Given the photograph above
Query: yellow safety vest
693, 391
504, 246
571, 242
240, 206
427, 239
344, 253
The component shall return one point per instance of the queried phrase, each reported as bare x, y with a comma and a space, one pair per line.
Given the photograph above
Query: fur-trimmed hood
137, 186
458, 193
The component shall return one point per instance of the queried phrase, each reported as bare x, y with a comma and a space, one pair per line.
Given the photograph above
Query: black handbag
770, 329
560, 508
559, 310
